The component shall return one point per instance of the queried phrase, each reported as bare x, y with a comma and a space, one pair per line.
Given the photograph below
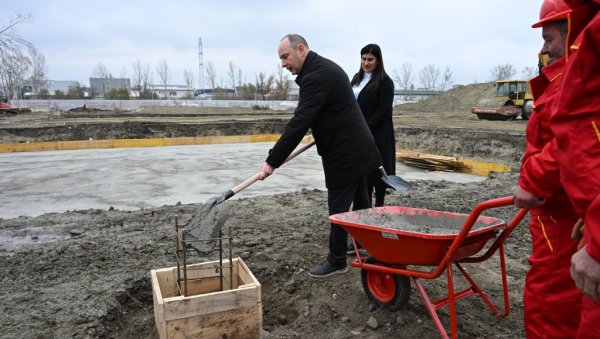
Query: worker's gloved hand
524, 199
265, 171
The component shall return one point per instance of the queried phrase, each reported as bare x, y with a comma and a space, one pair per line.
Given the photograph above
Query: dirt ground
85, 274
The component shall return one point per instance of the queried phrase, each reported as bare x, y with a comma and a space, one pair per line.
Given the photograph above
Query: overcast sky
468, 36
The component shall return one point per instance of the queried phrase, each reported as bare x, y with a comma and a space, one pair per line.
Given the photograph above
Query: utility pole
200, 66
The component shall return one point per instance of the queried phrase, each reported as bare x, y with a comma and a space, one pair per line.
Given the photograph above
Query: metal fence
65, 105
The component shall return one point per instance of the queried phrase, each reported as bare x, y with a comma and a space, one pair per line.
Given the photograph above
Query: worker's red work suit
576, 125
551, 299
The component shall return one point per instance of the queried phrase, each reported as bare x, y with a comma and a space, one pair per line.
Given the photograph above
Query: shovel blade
394, 182
206, 223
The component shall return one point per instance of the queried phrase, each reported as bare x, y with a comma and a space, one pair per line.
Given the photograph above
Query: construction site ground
85, 273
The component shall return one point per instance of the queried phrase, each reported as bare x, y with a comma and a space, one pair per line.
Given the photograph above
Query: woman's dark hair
378, 73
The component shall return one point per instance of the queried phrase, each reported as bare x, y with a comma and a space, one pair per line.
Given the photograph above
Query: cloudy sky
468, 36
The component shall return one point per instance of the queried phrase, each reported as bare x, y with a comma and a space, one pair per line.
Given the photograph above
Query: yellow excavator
513, 97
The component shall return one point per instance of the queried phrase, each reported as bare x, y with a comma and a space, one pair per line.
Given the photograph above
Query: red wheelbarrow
397, 237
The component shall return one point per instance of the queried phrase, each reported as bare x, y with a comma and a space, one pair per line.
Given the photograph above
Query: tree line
23, 69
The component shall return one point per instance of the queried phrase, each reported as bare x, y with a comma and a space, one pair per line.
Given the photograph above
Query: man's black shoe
326, 269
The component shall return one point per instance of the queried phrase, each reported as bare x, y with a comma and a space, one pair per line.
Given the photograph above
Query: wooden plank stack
431, 162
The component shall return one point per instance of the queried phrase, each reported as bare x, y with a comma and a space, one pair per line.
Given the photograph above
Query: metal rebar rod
230, 261
183, 236
221, 257
177, 253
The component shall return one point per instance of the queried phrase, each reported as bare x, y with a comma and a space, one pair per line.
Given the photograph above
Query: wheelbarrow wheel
388, 291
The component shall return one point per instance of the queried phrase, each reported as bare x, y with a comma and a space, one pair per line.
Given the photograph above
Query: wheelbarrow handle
485, 205
500, 202
493, 203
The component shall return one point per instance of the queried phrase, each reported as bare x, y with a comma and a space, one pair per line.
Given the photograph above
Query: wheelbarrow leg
431, 307
452, 304
504, 281
483, 296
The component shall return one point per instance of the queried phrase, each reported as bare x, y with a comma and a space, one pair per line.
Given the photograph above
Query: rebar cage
185, 254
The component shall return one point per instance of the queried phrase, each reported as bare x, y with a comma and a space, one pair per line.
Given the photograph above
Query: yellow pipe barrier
483, 168
470, 166
129, 143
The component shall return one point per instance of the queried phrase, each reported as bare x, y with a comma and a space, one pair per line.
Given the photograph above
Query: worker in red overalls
576, 126
551, 299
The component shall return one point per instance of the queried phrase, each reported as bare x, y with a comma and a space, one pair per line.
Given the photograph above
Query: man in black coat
327, 106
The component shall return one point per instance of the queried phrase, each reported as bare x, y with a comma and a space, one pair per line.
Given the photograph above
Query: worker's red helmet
552, 10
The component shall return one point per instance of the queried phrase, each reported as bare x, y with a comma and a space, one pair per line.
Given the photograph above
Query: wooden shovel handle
255, 177
577, 233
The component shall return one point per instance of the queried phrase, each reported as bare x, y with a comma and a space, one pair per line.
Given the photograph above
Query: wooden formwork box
207, 311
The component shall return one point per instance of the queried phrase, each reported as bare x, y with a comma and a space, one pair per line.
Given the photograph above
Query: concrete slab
34, 183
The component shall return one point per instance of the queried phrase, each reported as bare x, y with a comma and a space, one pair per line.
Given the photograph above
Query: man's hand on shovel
265, 171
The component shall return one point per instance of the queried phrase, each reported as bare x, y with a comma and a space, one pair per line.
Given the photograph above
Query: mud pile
458, 99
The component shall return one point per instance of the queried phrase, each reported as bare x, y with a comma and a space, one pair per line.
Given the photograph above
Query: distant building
50, 88
171, 91
101, 86
59, 85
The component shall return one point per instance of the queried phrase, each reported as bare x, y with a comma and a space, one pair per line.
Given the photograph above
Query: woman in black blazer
374, 91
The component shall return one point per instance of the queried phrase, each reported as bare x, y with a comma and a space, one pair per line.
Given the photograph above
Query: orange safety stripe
545, 235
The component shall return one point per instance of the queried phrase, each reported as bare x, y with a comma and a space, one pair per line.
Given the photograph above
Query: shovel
207, 222
394, 182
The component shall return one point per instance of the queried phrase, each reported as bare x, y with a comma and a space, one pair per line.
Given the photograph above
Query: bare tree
529, 72
282, 84
248, 91
75, 92
405, 77
447, 79
430, 77
232, 75
188, 77
101, 72
264, 84
136, 76
239, 78
14, 61
502, 72
141, 79
164, 74
38, 72
12, 74
211, 73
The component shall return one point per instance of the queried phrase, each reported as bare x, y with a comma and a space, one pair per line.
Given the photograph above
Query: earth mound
458, 99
